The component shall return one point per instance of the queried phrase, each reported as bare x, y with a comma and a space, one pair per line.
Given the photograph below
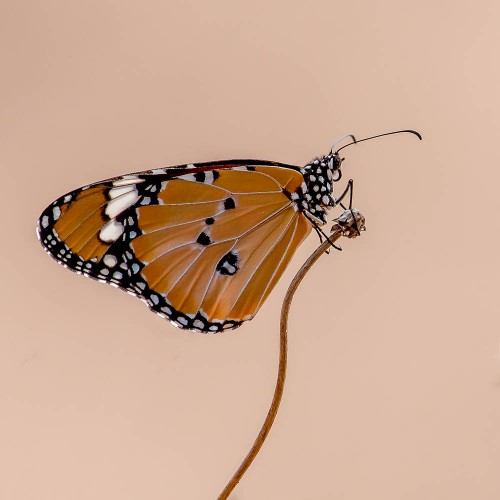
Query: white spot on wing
117, 205
118, 191
188, 177
127, 180
56, 212
198, 324
109, 261
111, 231
45, 222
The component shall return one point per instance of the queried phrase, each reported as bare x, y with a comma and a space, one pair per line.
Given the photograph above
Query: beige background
393, 389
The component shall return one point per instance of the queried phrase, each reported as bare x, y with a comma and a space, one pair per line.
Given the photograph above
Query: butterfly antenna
342, 138
414, 132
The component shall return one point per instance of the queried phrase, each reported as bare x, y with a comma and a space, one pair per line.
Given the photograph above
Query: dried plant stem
280, 383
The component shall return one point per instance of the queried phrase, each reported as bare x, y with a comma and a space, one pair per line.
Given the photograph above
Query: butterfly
202, 244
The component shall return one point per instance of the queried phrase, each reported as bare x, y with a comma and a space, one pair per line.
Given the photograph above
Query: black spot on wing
204, 239
228, 265
229, 203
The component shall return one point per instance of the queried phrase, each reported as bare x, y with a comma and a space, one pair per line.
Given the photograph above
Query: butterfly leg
347, 190
321, 234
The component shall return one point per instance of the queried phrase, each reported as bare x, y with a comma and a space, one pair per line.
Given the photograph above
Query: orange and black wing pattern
203, 245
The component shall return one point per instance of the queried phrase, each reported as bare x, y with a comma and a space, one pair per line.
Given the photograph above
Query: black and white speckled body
315, 196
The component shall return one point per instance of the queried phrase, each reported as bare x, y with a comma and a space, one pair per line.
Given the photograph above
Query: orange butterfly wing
204, 246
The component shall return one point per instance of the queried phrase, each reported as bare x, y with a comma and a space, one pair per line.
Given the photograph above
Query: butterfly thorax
315, 195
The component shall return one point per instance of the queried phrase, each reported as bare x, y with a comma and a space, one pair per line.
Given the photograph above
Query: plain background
393, 389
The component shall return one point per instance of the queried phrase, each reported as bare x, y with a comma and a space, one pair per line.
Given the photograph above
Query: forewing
202, 245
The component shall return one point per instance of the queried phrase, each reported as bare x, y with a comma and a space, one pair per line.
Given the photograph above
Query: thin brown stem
280, 383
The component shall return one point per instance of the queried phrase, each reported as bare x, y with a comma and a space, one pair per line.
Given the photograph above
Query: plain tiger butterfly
202, 244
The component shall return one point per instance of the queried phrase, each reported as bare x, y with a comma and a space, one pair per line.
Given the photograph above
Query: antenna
342, 138
380, 135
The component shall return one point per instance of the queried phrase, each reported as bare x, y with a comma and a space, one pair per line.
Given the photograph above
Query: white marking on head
111, 231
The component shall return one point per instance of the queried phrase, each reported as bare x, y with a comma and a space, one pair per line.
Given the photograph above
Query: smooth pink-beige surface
393, 389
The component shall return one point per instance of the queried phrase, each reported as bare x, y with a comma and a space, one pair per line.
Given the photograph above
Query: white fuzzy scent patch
111, 231
110, 260
56, 212
124, 201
